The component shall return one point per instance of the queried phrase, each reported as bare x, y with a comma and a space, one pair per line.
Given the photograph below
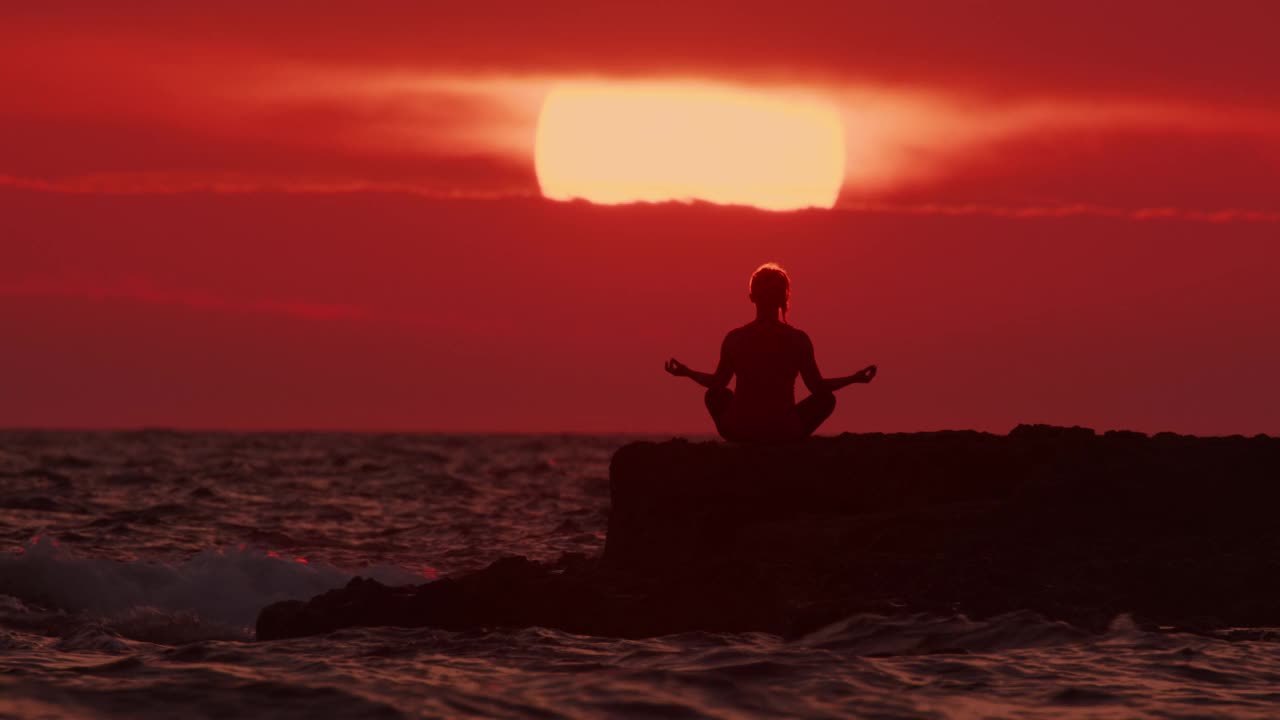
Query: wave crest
227, 586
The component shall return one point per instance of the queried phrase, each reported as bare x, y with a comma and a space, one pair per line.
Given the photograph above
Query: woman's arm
819, 385
706, 380
718, 379
864, 375
809, 372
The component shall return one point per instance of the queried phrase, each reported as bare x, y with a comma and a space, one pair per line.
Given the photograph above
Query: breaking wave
226, 586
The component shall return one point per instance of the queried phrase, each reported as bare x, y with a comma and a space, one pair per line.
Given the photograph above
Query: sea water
132, 566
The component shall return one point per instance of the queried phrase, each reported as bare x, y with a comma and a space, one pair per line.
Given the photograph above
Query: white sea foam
226, 586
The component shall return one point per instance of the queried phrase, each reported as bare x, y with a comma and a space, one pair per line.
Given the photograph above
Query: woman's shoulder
797, 333
755, 334
799, 340
734, 335
769, 329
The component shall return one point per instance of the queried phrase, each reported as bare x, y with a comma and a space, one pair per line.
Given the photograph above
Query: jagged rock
1176, 530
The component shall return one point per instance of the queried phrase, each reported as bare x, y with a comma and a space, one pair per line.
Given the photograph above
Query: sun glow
615, 143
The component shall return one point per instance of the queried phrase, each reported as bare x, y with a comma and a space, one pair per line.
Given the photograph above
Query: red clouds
124, 110
1137, 48
440, 99
1127, 170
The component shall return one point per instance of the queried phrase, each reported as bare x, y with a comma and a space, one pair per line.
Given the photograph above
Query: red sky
301, 218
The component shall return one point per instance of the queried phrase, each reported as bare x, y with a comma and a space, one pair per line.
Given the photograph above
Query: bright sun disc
647, 142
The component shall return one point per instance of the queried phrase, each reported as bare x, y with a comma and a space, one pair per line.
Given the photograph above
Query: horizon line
214, 430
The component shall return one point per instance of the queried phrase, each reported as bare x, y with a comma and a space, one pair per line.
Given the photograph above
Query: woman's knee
717, 399
815, 409
825, 402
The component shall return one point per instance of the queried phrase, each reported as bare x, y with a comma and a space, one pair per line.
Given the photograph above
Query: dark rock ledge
1176, 530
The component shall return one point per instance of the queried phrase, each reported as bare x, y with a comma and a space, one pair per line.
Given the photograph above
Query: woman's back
766, 357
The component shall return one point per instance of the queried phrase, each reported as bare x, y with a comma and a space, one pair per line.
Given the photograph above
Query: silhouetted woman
766, 355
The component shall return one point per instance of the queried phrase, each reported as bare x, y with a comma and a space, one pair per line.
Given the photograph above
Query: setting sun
615, 143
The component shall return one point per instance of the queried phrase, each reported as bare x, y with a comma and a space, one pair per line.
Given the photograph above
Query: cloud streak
1138, 48
187, 299
107, 185
1068, 211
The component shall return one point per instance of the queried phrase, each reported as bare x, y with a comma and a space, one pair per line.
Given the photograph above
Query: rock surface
1175, 530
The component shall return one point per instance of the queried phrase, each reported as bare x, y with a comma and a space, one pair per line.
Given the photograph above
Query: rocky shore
1177, 531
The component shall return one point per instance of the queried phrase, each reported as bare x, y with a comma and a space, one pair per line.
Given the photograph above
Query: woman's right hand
677, 368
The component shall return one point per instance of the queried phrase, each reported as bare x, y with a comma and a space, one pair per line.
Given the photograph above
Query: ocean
133, 565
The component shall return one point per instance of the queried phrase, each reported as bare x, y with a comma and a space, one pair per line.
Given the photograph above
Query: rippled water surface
133, 564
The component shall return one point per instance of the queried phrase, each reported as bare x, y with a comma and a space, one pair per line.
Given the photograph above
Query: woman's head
771, 288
